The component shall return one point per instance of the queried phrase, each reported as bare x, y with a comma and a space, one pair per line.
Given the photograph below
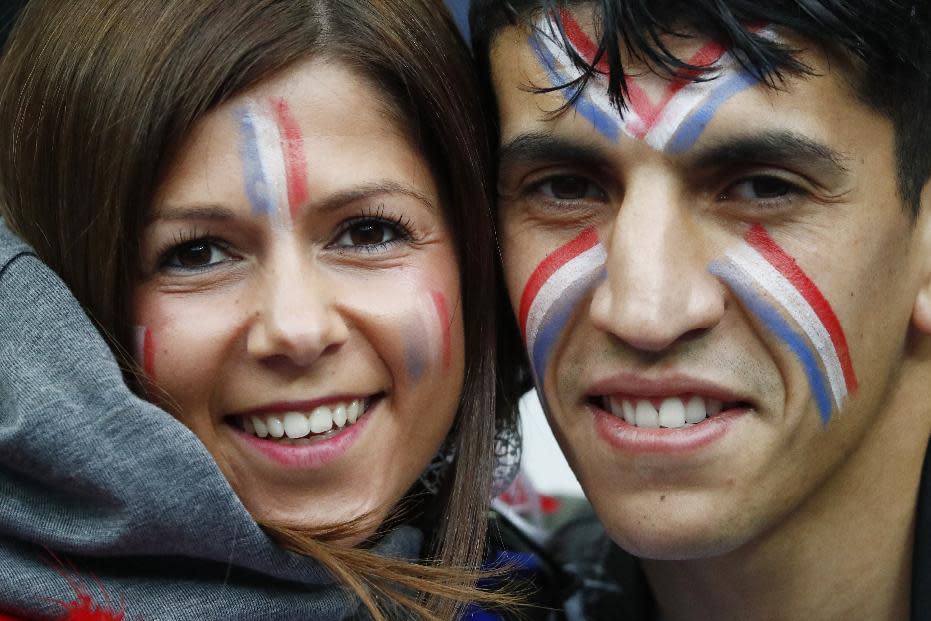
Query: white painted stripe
268, 140
573, 270
759, 269
679, 108
596, 92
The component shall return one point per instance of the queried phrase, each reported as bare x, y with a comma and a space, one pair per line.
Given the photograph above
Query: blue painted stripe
607, 125
257, 190
772, 319
693, 127
556, 318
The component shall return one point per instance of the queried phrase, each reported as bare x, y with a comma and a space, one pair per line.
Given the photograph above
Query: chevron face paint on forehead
773, 287
555, 289
673, 123
274, 165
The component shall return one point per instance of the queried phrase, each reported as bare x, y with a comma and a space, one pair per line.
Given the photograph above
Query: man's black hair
887, 44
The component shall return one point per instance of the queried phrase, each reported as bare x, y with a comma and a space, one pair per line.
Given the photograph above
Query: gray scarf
99, 484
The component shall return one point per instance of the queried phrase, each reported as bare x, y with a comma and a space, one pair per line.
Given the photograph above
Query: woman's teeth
296, 425
673, 412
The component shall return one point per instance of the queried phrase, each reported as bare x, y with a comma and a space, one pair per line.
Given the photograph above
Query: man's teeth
296, 425
673, 412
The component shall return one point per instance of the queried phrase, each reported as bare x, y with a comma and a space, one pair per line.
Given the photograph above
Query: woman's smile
299, 302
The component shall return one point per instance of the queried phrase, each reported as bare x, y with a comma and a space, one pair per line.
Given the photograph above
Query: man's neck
845, 553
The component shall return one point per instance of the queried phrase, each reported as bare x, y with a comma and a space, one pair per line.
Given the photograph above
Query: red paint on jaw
292, 147
442, 312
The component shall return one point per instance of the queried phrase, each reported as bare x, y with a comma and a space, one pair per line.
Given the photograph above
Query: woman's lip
317, 454
283, 407
627, 438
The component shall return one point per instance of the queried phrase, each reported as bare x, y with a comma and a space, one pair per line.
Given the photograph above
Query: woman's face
298, 306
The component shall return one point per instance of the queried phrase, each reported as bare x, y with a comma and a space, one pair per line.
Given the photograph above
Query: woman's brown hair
97, 97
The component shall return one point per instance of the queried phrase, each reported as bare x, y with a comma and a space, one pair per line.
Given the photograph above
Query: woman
265, 205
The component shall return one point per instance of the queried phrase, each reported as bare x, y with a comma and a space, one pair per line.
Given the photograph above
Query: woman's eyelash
179, 239
401, 222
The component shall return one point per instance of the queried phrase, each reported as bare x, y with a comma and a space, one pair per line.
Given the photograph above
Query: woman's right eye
195, 255
570, 188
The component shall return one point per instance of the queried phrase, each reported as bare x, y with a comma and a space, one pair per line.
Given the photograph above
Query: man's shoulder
610, 583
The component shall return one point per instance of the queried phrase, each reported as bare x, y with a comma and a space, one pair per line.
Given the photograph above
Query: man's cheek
553, 293
787, 303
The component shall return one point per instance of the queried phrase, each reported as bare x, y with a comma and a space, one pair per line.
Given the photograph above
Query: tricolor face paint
553, 293
427, 336
272, 153
783, 298
145, 351
320, 363
671, 121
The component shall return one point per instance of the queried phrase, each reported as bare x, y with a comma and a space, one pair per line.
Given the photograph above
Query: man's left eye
759, 188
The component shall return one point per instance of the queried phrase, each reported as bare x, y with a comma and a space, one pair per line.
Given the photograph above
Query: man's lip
283, 407
641, 386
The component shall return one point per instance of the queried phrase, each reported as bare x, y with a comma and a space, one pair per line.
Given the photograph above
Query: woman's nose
297, 318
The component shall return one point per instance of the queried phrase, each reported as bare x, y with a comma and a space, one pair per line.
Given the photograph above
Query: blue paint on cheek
416, 360
606, 124
772, 320
556, 319
257, 190
693, 127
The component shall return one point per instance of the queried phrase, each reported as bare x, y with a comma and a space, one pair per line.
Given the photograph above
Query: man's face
715, 293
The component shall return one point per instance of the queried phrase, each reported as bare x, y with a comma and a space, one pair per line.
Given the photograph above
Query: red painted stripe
759, 239
442, 314
148, 354
648, 112
292, 146
585, 240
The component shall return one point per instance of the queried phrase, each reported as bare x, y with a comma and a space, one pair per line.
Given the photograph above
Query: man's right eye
570, 188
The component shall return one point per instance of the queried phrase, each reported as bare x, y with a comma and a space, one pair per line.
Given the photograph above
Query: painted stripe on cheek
145, 351
760, 240
443, 319
553, 292
742, 286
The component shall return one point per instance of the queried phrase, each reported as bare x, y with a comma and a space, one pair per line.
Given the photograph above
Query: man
717, 244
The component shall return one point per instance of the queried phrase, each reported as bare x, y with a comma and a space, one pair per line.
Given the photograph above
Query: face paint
145, 351
554, 290
272, 152
759, 265
427, 335
672, 124
443, 319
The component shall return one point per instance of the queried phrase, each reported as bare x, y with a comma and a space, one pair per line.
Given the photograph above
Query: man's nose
297, 318
657, 289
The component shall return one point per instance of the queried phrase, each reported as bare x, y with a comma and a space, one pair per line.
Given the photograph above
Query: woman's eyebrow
199, 211
368, 191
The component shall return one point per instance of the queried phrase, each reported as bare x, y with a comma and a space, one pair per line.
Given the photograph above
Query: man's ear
921, 314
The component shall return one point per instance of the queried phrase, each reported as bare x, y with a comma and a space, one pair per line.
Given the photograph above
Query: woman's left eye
760, 188
368, 233
195, 255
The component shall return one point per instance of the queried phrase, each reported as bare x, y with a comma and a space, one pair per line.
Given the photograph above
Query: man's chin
673, 534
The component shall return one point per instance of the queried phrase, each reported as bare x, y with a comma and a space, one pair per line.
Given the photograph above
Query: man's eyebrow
770, 147
545, 147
